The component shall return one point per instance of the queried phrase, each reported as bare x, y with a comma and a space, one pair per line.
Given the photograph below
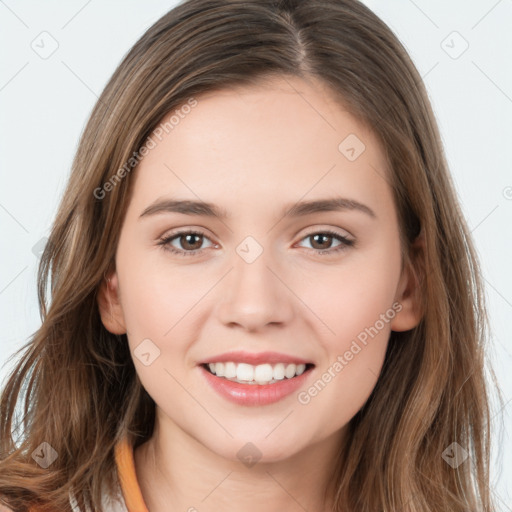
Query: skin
253, 150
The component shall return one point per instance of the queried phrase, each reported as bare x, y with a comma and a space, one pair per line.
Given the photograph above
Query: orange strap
128, 478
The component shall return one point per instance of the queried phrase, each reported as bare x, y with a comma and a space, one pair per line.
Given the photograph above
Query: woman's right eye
184, 238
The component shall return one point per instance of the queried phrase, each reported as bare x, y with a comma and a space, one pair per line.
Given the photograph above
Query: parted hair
74, 384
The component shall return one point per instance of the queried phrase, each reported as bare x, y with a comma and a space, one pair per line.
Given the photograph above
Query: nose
255, 294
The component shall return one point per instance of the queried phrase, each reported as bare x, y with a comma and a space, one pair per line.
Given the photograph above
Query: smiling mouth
261, 374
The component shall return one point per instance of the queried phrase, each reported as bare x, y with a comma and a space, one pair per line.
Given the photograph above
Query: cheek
356, 304
351, 296
158, 305
157, 297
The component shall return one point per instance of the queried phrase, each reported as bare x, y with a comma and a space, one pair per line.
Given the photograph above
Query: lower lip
254, 394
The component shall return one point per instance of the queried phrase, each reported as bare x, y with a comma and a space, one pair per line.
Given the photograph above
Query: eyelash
345, 242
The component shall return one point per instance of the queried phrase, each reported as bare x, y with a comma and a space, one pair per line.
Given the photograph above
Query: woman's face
296, 261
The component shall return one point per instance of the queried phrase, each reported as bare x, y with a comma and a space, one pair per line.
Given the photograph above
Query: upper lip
255, 358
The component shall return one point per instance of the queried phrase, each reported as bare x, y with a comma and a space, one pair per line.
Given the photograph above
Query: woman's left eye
327, 236
191, 242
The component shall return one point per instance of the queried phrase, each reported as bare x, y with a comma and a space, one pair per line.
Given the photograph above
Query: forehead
273, 142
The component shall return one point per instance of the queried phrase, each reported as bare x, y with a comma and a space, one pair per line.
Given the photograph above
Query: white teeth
229, 370
263, 373
219, 369
279, 371
243, 372
289, 371
260, 374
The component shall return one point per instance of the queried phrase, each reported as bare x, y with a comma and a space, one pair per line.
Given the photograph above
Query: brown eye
192, 242
321, 242
184, 243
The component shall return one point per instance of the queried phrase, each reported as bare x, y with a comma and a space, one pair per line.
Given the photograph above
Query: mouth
255, 379
257, 375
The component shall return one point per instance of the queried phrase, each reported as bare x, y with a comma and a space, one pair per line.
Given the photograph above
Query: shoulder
3, 508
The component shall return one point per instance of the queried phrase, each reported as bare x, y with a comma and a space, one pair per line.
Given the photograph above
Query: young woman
262, 292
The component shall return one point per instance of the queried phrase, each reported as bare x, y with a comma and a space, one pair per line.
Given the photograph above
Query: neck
177, 473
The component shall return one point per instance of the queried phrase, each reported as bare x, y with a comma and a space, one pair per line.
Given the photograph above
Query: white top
108, 503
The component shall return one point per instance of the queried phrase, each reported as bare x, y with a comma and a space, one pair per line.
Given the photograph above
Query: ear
110, 308
409, 288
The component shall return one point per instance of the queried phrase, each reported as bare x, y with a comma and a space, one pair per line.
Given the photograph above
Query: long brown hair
78, 382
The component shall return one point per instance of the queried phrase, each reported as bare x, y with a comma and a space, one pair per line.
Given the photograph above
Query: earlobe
409, 291
109, 305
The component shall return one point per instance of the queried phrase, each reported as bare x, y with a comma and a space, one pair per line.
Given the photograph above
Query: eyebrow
201, 208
